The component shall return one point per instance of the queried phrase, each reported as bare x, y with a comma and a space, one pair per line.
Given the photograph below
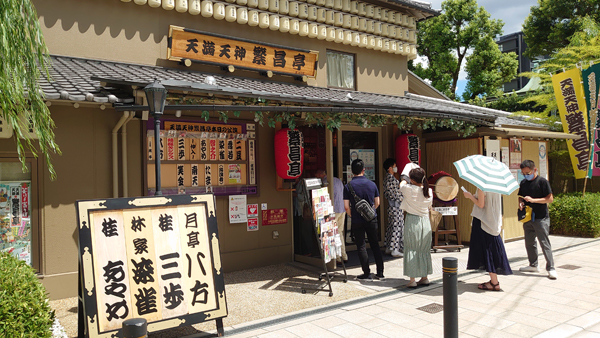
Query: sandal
485, 287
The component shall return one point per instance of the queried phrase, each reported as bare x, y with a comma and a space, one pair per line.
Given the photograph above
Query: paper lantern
362, 8
338, 18
303, 11
140, 2
354, 7
338, 4
321, 14
393, 47
347, 21
195, 7
294, 8
369, 11
408, 150
347, 37
242, 2
274, 6
385, 29
399, 47
231, 13
219, 11
294, 26
371, 44
313, 30
391, 17
330, 17
230, 1
370, 26
400, 33
329, 3
405, 20
284, 24
263, 20
354, 23
391, 31
412, 36
364, 40
154, 3
330, 34
252, 3
284, 6
339, 35
398, 19
362, 24
377, 27
303, 28
312, 13
263, 4
168, 4
242, 15
355, 39
386, 46
253, 18
274, 22
377, 13
346, 6
384, 14
378, 44
320, 2
207, 8
311, 1
322, 32
289, 153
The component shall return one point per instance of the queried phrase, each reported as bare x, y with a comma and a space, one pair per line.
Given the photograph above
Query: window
340, 70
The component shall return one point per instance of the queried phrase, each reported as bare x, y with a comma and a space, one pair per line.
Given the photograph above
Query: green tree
23, 60
583, 48
462, 27
551, 23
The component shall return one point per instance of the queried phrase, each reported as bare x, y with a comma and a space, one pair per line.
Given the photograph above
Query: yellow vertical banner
570, 99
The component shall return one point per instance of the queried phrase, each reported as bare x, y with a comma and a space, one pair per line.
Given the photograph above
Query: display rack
324, 229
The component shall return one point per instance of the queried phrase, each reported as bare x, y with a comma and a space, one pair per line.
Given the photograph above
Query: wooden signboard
274, 216
217, 49
156, 258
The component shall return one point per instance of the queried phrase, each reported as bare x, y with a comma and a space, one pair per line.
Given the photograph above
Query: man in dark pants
367, 190
535, 191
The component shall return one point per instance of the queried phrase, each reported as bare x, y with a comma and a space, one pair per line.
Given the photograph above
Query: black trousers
370, 230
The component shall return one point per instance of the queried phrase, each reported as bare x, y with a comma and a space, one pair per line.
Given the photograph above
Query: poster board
156, 258
203, 157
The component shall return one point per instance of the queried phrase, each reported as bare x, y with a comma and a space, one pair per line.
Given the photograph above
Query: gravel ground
251, 294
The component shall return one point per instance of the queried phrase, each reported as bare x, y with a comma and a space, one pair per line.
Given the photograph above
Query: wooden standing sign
156, 258
216, 49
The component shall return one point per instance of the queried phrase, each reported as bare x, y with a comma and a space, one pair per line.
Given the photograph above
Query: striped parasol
487, 174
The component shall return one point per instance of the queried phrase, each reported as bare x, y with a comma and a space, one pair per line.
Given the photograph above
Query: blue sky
512, 12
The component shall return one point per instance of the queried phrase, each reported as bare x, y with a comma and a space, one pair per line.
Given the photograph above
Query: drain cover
432, 308
569, 267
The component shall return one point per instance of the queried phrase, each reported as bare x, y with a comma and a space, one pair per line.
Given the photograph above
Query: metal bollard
450, 280
135, 328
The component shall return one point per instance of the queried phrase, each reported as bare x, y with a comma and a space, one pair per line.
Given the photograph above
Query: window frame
354, 69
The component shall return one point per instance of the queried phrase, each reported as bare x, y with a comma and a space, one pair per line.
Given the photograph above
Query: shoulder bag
365, 210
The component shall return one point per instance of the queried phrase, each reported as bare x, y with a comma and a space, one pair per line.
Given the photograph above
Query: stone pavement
529, 305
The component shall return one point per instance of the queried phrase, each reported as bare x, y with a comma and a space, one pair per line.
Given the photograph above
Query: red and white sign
274, 216
252, 210
252, 224
25, 200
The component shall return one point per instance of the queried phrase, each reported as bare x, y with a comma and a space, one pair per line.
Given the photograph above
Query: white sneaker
388, 251
552, 274
529, 269
397, 253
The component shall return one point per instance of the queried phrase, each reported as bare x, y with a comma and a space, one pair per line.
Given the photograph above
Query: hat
408, 167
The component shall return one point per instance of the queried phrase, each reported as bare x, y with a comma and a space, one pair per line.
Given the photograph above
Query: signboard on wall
515, 153
217, 49
368, 157
156, 258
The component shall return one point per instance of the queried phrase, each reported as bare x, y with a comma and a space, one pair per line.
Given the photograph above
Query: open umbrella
487, 174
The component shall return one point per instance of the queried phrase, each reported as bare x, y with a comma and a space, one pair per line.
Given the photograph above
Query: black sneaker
379, 277
365, 276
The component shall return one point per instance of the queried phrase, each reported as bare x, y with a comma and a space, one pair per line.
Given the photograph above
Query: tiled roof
79, 79
518, 122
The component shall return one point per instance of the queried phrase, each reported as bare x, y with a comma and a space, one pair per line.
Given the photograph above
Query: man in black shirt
535, 191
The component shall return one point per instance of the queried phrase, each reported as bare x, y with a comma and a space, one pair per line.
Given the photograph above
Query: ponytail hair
418, 175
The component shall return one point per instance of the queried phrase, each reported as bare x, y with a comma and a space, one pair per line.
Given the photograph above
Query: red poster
252, 210
170, 148
252, 224
274, 216
25, 200
213, 150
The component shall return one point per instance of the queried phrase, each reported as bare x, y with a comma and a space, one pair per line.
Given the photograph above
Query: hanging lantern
322, 32
294, 26
181, 6
231, 13
168, 4
312, 13
274, 22
253, 18
219, 11
330, 34
408, 150
284, 6
294, 8
242, 15
194, 8
284, 24
289, 153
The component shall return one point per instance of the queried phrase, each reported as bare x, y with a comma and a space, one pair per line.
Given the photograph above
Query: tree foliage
551, 23
23, 59
582, 50
445, 40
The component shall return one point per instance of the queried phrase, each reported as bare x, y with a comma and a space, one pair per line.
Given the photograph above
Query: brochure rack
325, 230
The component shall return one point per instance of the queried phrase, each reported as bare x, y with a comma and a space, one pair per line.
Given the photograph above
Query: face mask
529, 177
395, 169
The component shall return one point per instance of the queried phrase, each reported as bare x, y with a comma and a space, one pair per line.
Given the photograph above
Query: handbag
364, 209
434, 218
525, 215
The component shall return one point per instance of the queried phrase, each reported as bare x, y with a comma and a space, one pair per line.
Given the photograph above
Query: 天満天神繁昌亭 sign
199, 46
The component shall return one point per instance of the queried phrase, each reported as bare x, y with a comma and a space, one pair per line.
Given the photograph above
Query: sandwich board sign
155, 258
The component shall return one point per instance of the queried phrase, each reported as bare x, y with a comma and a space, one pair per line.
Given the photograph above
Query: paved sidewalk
529, 305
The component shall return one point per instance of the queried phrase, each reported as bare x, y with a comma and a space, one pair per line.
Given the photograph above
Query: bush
24, 308
575, 215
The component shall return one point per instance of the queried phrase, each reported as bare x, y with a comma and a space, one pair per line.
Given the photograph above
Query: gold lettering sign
188, 44
203, 127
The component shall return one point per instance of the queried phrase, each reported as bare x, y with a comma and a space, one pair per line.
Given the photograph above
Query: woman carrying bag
417, 199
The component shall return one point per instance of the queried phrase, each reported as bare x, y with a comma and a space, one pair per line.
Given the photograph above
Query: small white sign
263, 206
237, 209
447, 211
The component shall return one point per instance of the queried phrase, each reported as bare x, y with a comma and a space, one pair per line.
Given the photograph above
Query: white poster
543, 160
504, 154
492, 148
368, 157
237, 209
